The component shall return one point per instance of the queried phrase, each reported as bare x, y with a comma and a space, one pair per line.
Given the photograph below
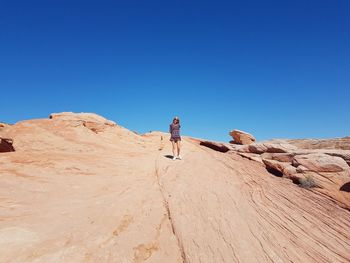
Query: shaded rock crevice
345, 187
220, 147
6, 145
274, 171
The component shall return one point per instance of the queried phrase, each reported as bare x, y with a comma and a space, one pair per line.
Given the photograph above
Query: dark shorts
175, 139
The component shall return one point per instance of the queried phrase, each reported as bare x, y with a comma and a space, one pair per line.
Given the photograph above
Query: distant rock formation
334, 143
3, 125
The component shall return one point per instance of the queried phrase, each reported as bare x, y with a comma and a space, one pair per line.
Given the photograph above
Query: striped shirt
174, 130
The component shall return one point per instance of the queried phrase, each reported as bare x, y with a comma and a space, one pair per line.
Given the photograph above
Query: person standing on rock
175, 137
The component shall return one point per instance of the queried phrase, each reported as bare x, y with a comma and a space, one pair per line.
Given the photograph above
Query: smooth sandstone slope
69, 194
82, 189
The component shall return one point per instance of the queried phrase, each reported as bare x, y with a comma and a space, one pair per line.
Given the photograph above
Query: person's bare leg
173, 143
178, 144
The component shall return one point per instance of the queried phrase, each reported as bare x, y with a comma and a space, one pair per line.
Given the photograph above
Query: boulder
342, 154
6, 145
241, 137
320, 162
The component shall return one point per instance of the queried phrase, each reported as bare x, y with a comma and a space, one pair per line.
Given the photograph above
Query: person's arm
170, 129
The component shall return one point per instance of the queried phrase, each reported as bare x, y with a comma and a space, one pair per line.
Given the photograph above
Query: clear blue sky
277, 69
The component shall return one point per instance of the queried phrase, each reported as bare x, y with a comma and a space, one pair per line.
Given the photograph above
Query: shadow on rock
345, 187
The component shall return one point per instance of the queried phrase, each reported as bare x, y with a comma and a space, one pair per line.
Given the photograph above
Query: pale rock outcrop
271, 147
242, 137
320, 162
344, 154
281, 157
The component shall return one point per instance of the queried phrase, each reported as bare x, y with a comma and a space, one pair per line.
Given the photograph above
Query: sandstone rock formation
271, 148
328, 168
241, 137
281, 168
342, 154
281, 157
320, 162
91, 121
72, 193
3, 125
